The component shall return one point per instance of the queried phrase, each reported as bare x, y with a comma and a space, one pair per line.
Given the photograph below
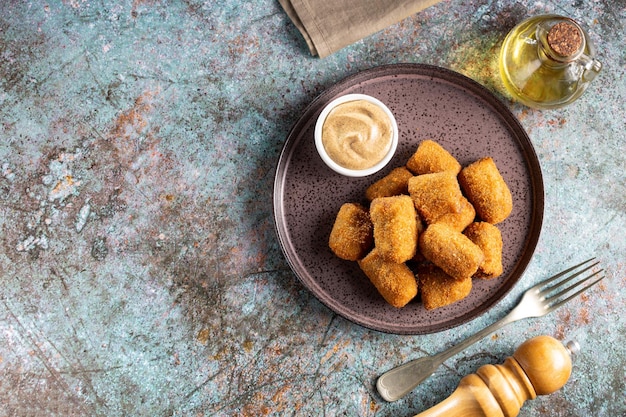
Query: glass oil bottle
547, 61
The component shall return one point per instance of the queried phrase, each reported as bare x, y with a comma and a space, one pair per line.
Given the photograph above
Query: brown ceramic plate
428, 102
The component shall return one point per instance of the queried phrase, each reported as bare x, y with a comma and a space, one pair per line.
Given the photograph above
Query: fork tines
554, 288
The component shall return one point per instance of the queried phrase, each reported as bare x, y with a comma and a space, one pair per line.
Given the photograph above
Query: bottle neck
547, 57
561, 44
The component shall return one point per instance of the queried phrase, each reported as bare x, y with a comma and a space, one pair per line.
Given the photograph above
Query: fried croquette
431, 157
459, 221
394, 183
395, 227
394, 281
486, 190
435, 195
438, 289
489, 239
352, 236
450, 250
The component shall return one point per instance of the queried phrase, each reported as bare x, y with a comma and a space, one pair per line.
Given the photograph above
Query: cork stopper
565, 39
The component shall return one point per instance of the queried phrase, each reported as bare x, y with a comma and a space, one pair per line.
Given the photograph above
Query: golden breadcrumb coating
351, 237
459, 221
394, 183
435, 195
486, 190
489, 239
439, 289
431, 157
450, 250
394, 281
444, 227
395, 227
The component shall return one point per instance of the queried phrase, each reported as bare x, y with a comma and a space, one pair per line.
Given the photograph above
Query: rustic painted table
140, 273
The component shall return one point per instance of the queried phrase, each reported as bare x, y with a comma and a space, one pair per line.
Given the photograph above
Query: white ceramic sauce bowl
334, 165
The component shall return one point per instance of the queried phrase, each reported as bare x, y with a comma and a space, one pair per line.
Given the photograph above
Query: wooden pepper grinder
539, 366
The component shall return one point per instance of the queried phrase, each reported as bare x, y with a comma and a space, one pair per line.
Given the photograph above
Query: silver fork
537, 301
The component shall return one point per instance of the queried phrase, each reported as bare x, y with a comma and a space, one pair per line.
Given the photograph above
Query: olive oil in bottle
547, 61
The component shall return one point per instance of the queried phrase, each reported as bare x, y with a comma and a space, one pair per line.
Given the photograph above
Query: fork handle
512, 316
399, 381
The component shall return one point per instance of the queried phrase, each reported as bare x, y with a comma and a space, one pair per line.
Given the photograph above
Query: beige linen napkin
329, 25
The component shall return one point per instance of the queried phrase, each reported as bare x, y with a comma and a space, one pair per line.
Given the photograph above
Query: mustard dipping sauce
357, 134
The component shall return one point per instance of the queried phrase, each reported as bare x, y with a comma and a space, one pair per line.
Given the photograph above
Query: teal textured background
140, 274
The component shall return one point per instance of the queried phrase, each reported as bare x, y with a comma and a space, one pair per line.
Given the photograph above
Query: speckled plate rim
443, 75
